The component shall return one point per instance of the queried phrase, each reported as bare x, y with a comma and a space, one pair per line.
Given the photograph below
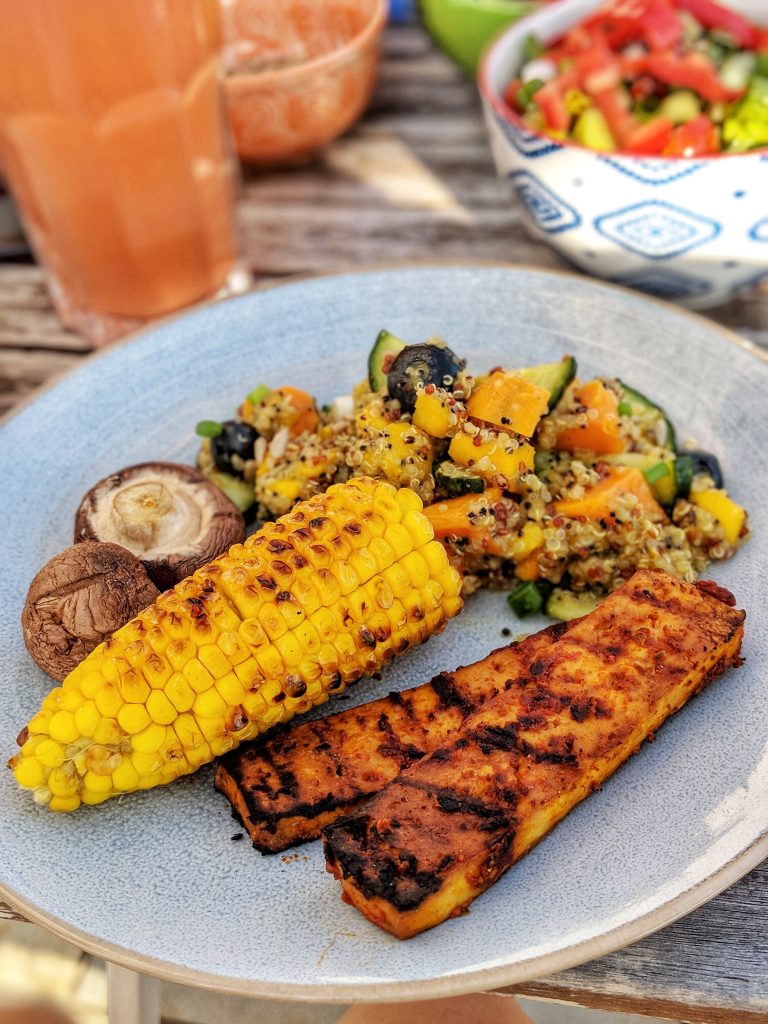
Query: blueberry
236, 438
421, 364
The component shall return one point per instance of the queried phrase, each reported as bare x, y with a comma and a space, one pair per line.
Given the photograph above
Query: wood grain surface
414, 182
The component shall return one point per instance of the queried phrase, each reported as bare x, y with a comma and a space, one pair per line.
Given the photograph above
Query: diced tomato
698, 137
550, 101
691, 71
661, 25
712, 15
650, 138
762, 40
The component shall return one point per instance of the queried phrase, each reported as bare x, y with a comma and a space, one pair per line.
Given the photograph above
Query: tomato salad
680, 78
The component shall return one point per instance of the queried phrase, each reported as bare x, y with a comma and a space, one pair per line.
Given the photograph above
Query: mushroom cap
168, 515
78, 599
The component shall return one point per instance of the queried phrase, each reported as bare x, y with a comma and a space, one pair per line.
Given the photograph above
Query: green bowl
463, 27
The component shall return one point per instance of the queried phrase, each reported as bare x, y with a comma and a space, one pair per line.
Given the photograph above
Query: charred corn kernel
157, 671
160, 709
307, 605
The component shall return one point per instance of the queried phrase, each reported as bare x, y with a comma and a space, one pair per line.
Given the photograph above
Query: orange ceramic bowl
299, 73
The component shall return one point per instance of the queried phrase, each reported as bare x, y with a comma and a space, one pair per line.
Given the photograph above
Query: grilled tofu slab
450, 825
286, 788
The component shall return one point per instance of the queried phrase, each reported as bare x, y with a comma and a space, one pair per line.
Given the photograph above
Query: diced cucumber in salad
684, 78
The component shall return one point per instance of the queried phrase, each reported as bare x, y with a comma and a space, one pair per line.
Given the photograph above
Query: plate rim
457, 983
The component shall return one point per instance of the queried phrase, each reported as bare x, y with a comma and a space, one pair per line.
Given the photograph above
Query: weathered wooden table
415, 182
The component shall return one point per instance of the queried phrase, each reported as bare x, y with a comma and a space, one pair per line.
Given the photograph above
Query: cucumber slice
631, 399
239, 492
685, 468
384, 350
455, 480
555, 377
566, 605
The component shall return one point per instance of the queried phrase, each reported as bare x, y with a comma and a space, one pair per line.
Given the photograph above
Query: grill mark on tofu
525, 758
287, 786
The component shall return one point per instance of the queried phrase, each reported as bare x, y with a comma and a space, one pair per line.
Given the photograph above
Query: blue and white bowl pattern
695, 231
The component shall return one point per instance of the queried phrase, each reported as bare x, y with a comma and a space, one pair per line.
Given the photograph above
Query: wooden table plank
415, 182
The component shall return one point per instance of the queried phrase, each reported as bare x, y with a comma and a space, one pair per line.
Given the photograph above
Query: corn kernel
101, 760
62, 727
133, 718
64, 803
108, 700
145, 763
382, 551
364, 563
179, 652
249, 673
133, 688
97, 783
272, 621
151, 780
198, 677
399, 539
255, 706
231, 690
125, 777
252, 634
209, 704
108, 732
70, 700
89, 798
270, 662
212, 728
29, 773
290, 649
198, 755
222, 745
149, 740
398, 579
50, 754
91, 684
38, 725
157, 671
417, 569
188, 732
212, 657
160, 709
410, 504
233, 648
179, 692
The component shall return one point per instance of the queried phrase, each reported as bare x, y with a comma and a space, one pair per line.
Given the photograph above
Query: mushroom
78, 599
170, 516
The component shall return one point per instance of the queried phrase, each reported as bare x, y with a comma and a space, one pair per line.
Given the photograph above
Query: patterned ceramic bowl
299, 73
693, 230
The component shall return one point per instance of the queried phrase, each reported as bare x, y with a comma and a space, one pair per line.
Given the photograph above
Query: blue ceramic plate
155, 882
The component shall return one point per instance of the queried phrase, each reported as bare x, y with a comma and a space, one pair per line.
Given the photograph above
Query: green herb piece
525, 599
258, 394
526, 92
656, 472
532, 48
624, 408
208, 428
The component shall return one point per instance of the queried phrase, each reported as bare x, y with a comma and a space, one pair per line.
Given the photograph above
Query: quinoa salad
539, 482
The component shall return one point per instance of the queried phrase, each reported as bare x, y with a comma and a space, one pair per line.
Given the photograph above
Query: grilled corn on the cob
308, 604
